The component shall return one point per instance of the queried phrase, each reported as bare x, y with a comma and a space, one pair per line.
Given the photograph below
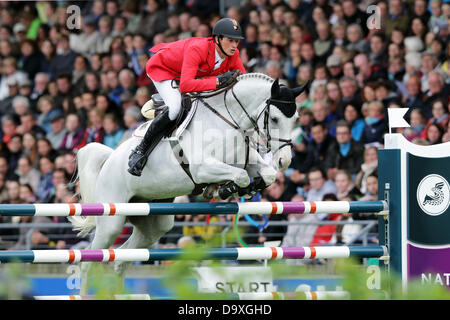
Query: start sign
234, 279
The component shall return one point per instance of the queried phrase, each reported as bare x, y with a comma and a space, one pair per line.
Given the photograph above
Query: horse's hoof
228, 190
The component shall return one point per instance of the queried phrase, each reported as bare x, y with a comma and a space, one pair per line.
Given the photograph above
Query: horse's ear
302, 88
275, 91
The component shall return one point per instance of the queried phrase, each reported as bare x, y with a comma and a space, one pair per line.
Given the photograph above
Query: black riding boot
138, 157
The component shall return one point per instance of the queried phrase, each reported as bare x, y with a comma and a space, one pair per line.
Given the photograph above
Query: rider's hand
227, 78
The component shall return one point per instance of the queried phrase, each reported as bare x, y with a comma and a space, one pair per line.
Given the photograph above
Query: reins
266, 110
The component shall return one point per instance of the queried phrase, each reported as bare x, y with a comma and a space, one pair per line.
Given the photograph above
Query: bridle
265, 133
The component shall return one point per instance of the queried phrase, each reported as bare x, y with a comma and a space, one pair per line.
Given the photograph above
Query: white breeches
171, 97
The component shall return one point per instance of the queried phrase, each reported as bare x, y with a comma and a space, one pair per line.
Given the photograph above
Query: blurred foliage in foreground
362, 282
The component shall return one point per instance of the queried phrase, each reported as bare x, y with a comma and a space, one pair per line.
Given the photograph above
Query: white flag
396, 119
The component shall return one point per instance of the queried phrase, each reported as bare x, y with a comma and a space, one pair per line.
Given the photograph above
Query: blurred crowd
74, 76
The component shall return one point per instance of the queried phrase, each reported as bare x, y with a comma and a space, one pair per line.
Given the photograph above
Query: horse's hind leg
146, 231
106, 232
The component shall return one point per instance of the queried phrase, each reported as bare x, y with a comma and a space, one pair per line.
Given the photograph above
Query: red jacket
192, 62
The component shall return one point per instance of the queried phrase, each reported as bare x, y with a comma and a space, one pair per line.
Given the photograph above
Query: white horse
255, 102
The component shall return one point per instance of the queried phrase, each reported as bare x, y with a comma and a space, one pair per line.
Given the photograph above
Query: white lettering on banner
234, 279
436, 278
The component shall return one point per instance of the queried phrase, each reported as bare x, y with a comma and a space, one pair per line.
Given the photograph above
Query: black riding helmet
227, 27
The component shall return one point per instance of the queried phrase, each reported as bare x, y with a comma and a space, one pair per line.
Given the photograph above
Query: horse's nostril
280, 163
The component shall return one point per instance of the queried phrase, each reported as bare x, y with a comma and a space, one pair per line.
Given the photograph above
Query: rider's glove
227, 78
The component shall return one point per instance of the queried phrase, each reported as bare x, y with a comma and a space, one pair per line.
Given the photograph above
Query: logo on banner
433, 194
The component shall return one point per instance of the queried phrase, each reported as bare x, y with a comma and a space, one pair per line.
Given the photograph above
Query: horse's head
278, 119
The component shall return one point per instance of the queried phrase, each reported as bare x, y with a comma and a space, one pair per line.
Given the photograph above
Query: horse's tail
90, 160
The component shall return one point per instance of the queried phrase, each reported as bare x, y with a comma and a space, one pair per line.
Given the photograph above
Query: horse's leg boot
138, 157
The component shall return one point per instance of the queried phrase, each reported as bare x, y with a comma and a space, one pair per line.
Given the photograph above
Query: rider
200, 64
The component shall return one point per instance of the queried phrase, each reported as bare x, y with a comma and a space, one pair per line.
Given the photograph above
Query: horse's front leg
257, 167
216, 171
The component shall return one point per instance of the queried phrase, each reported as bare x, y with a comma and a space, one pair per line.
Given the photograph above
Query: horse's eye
274, 120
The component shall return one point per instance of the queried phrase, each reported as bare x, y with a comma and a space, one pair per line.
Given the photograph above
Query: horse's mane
255, 75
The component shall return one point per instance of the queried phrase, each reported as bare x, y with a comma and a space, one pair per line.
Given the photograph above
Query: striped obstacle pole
193, 208
300, 295
136, 296
130, 255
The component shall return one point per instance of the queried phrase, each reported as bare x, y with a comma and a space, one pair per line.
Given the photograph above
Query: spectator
317, 148
446, 136
28, 174
70, 165
413, 98
21, 105
13, 188
45, 185
319, 185
95, 131
437, 89
350, 94
385, 94
9, 128
38, 236
30, 148
152, 20
3, 190
113, 132
48, 52
57, 131
278, 190
347, 154
420, 11
6, 171
356, 41
58, 177
354, 118
440, 115
372, 188
398, 17
334, 66
31, 58
104, 38
64, 89
11, 75
74, 135
429, 63
375, 124
325, 233
345, 185
115, 88
28, 123
324, 44
321, 113
417, 122
40, 86
434, 133
85, 42
127, 81
308, 54
14, 150
353, 15
368, 72
299, 234
369, 166
64, 60
48, 111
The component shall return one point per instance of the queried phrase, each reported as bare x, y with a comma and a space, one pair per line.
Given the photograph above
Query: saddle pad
142, 129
